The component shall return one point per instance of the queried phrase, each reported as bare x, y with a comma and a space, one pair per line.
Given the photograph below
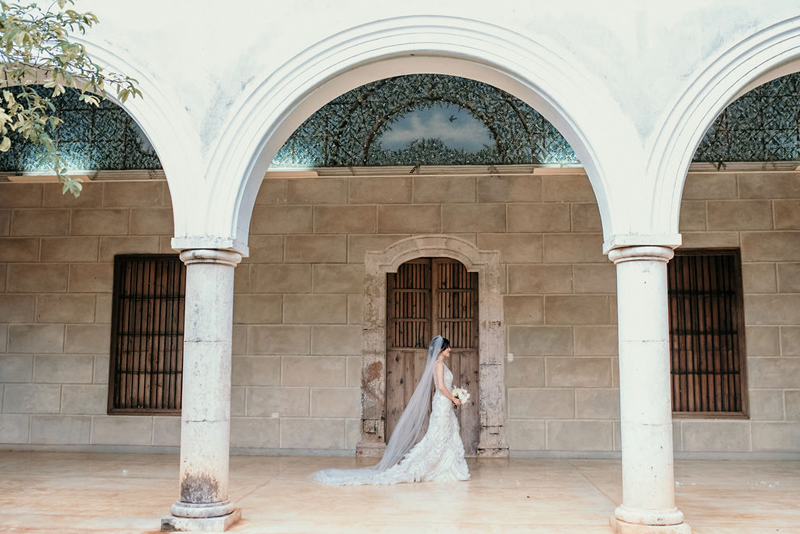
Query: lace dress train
439, 455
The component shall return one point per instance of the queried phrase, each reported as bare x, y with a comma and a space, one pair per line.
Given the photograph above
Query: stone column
206, 401
648, 484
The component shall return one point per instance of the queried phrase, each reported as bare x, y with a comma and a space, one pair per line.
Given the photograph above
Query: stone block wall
299, 297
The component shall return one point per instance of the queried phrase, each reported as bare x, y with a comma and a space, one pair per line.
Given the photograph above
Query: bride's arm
438, 368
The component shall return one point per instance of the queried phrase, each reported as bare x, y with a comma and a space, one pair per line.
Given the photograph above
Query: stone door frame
491, 345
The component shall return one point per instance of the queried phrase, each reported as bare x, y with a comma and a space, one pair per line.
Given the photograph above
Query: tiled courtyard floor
46, 492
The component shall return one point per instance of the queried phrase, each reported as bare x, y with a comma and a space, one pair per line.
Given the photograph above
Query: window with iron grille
146, 367
707, 333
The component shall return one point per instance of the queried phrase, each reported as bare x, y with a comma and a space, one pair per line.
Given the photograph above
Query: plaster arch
765, 55
159, 116
491, 345
531, 71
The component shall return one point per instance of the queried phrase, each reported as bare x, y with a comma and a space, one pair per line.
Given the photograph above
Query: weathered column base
491, 443
621, 527
201, 524
370, 449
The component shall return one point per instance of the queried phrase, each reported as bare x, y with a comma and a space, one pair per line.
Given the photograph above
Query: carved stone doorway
426, 297
490, 401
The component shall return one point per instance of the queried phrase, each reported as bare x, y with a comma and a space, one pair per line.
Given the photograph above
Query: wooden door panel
425, 297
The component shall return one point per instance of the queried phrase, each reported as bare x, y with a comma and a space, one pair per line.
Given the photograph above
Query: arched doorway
426, 297
489, 399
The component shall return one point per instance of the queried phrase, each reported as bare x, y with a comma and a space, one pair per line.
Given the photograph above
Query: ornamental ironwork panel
761, 125
90, 138
349, 130
353, 130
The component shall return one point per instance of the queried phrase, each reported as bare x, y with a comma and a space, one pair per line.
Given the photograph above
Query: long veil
404, 436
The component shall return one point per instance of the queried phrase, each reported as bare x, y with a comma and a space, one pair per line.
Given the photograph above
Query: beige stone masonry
91, 278
282, 220
526, 434
338, 278
513, 248
417, 219
301, 315
16, 368
70, 249
769, 185
549, 403
111, 246
40, 222
280, 278
759, 277
579, 435
693, 216
767, 405
248, 433
119, 194
151, 221
473, 218
380, 190
278, 339
273, 191
573, 248
540, 340
444, 189
64, 308
345, 219
61, 429
313, 191
91, 196
21, 195
17, 308
99, 222
789, 277
704, 186
539, 279
255, 371
19, 249
511, 188
315, 309
789, 341
585, 217
567, 188
312, 433
287, 402
524, 372
316, 249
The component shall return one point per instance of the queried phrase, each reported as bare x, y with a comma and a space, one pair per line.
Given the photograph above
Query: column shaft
648, 485
205, 410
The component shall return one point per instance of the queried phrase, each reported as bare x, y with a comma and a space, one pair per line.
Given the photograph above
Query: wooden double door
428, 297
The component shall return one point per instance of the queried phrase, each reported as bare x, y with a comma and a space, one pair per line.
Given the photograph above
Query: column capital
224, 257
641, 253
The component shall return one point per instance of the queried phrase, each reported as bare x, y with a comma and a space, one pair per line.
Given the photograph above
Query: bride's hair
445, 344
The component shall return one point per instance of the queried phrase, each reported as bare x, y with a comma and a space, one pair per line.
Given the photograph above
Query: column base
370, 449
200, 524
621, 527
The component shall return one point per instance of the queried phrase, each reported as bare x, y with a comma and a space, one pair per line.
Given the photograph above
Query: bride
439, 455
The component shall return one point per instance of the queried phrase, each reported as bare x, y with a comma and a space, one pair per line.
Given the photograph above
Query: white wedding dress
439, 455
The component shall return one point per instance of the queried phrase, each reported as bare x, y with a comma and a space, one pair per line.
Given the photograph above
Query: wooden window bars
146, 367
707, 333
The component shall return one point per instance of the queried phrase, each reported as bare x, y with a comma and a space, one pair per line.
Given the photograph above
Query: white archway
762, 57
454, 46
161, 118
491, 347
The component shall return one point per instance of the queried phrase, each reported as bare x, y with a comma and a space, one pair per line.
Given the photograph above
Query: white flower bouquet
461, 394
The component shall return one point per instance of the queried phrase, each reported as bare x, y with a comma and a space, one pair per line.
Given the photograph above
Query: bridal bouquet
461, 394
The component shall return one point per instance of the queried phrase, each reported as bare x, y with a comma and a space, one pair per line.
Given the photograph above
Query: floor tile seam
595, 486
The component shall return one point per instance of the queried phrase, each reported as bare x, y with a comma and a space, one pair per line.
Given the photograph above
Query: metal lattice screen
707, 332
146, 369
